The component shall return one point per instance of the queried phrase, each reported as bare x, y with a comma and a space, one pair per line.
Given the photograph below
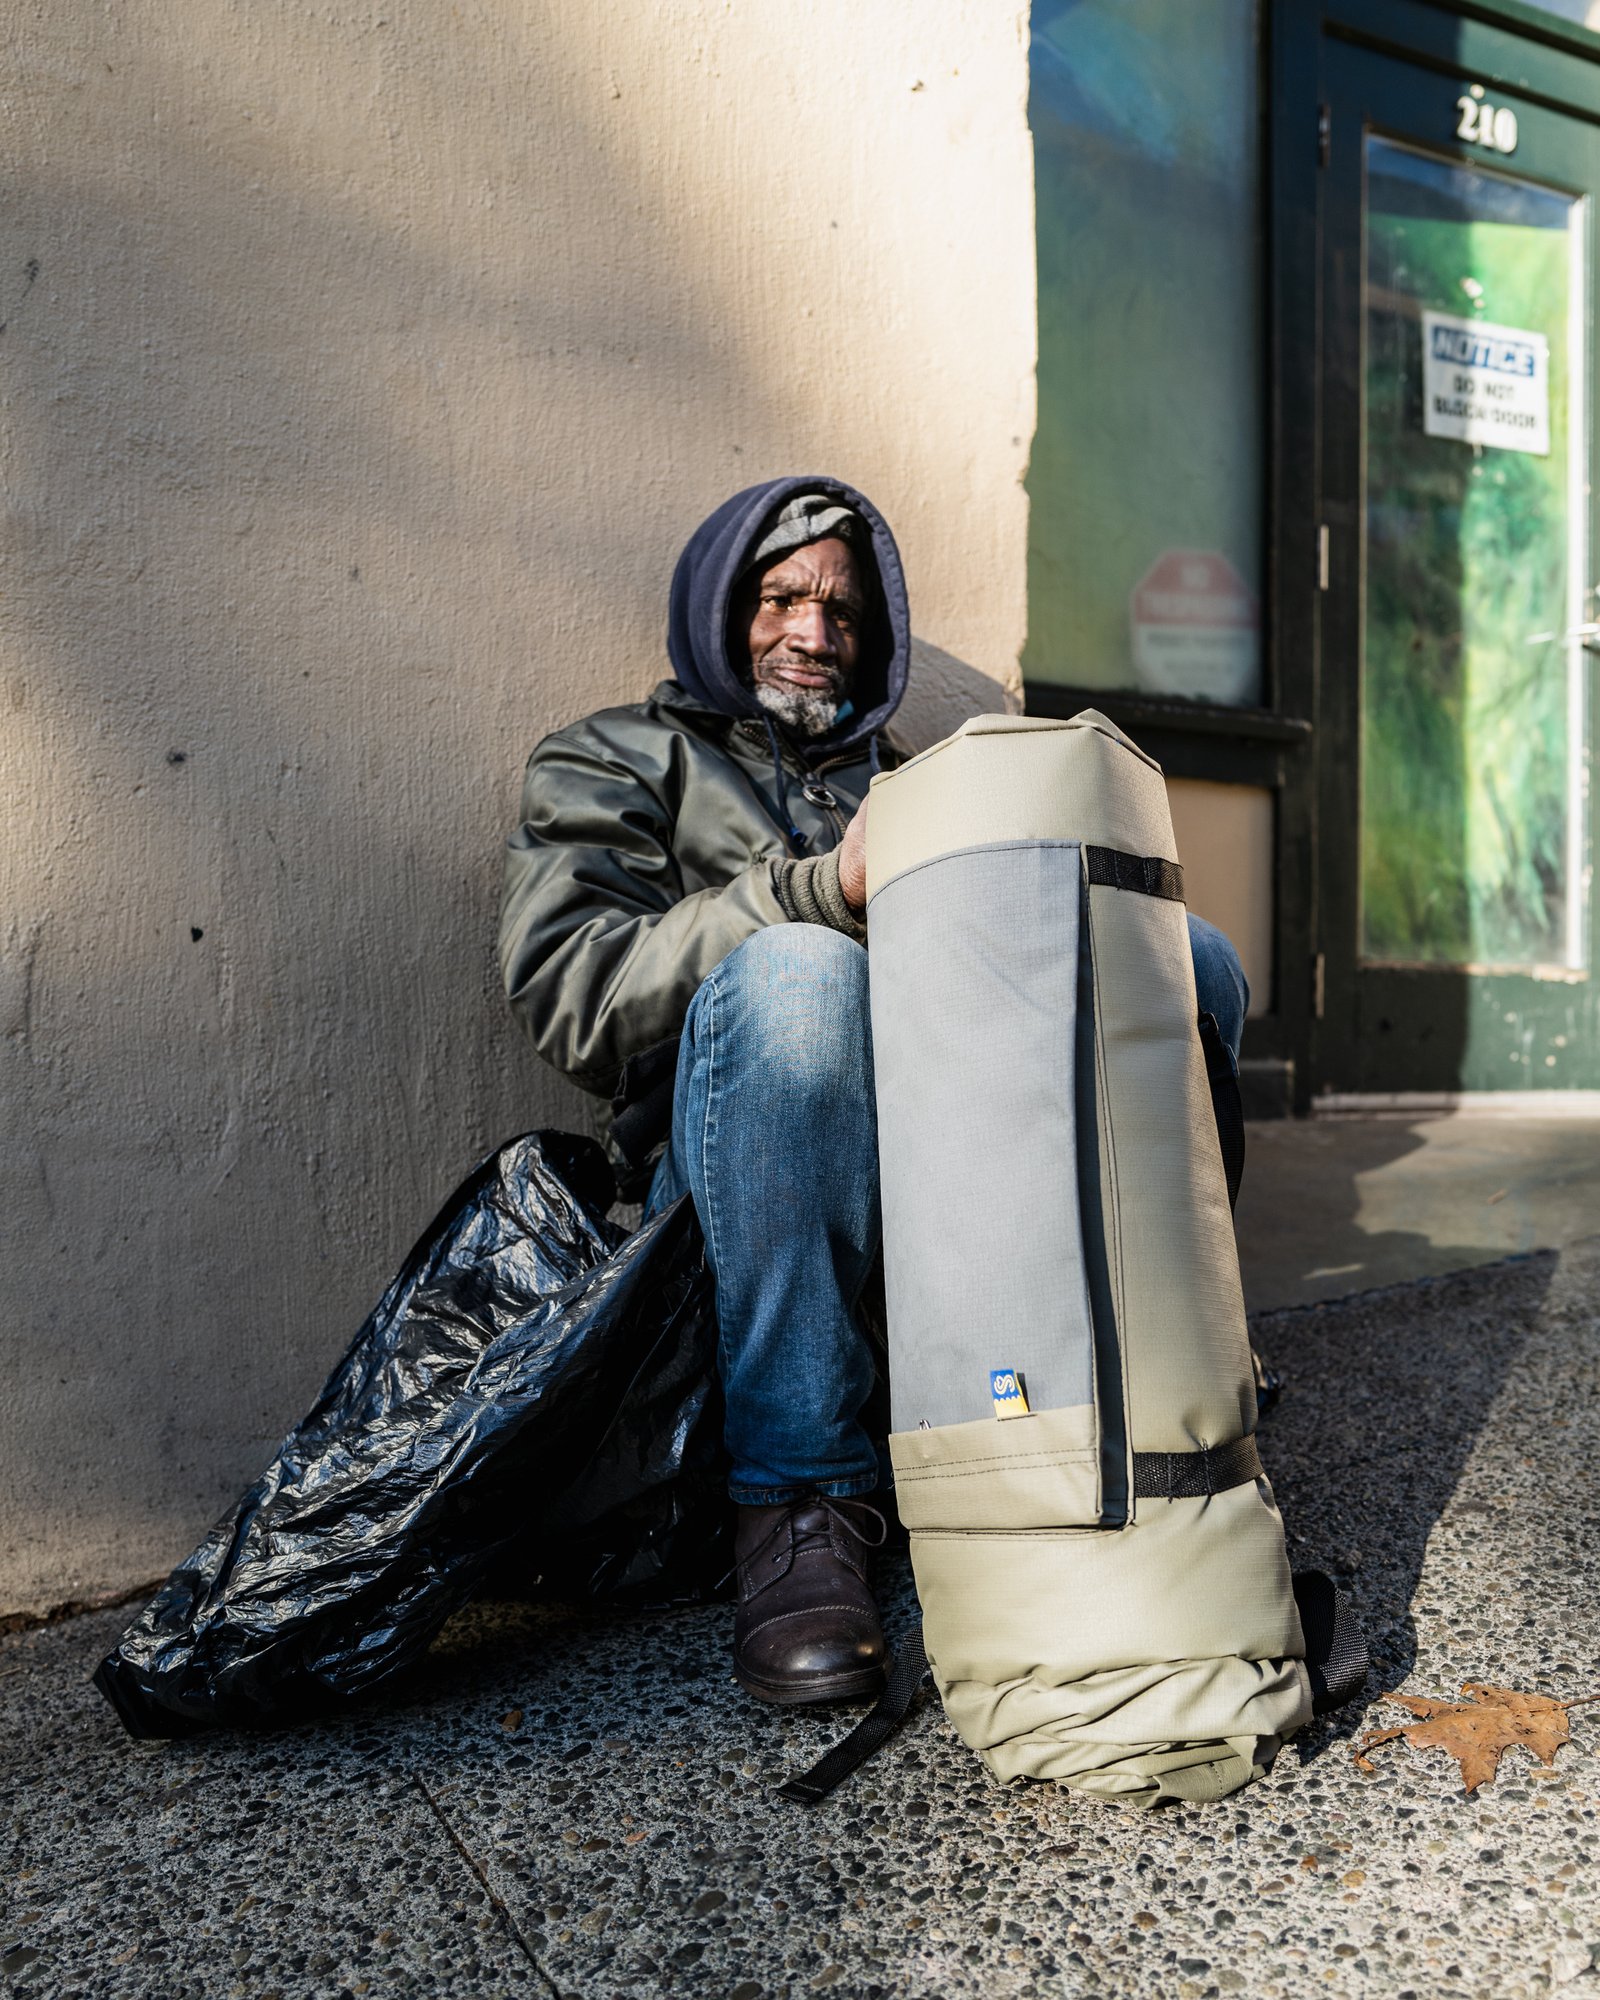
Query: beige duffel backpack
1105, 1593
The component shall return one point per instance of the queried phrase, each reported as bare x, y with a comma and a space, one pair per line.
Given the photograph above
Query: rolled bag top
1105, 1590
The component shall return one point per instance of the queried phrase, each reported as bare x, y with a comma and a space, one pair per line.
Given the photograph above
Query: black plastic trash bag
536, 1389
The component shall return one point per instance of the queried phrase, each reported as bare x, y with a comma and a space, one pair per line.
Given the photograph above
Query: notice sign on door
1485, 384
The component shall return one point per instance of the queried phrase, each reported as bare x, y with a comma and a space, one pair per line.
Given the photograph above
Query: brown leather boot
807, 1627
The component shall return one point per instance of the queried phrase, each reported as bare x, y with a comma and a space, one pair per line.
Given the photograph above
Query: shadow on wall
351, 442
942, 693
365, 375
298, 581
263, 1026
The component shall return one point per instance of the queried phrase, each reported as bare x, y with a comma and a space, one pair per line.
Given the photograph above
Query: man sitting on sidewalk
683, 932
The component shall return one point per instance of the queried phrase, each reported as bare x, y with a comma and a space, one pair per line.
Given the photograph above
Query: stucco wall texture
364, 367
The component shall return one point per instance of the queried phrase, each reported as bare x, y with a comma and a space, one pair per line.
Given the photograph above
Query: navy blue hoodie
703, 584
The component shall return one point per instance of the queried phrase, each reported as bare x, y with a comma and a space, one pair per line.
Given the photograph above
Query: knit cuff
810, 894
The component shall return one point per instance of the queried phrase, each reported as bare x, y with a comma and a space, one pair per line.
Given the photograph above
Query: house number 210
1491, 125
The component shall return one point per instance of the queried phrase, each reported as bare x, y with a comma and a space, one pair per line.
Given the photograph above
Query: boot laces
842, 1513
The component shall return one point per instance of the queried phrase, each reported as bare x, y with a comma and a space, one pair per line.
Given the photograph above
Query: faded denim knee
791, 999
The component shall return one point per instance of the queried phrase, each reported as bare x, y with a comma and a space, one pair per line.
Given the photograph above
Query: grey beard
807, 711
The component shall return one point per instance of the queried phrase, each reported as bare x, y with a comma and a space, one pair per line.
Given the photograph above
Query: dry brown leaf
1476, 1729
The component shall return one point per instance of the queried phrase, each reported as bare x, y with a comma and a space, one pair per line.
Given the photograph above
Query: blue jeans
774, 1134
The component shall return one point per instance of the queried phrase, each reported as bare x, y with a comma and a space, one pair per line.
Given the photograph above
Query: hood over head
727, 543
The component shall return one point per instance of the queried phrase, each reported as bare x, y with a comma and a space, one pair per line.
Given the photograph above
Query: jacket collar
712, 722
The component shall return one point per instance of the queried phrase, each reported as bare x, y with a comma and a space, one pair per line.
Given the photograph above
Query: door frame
1312, 536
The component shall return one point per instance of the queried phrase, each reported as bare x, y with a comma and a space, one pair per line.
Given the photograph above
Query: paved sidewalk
1339, 1205
565, 1804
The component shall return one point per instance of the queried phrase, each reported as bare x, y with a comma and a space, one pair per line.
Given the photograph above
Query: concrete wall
364, 367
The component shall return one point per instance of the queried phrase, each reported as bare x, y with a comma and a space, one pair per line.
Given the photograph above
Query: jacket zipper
807, 776
818, 772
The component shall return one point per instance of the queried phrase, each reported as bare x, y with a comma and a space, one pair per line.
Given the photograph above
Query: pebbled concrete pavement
565, 1804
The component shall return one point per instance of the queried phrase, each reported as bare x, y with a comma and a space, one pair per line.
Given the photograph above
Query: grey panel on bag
974, 967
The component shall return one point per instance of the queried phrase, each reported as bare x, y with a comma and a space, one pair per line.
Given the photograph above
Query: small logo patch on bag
1010, 1398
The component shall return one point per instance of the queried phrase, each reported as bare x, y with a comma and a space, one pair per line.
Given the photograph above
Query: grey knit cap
806, 518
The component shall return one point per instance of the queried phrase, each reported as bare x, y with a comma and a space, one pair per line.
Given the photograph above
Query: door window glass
1145, 484
1585, 12
1473, 724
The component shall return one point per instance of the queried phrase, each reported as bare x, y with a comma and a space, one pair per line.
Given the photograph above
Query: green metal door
1458, 616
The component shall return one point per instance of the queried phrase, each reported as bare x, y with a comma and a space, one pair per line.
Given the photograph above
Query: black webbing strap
906, 1675
1110, 868
1195, 1475
1337, 1661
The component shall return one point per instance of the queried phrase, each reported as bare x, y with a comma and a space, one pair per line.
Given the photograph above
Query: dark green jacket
652, 841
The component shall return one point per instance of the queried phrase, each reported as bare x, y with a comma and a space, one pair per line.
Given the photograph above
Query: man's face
803, 616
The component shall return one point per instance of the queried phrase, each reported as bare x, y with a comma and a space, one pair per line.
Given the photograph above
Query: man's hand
853, 860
